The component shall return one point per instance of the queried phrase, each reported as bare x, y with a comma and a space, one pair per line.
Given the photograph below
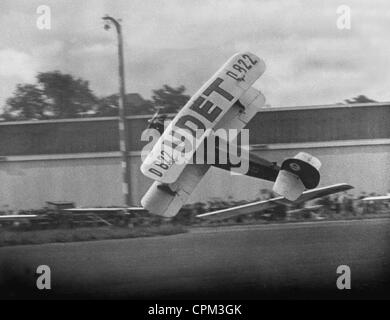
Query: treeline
56, 95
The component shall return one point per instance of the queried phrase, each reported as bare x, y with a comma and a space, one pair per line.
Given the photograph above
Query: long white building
78, 160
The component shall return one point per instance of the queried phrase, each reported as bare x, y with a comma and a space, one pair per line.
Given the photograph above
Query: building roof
274, 125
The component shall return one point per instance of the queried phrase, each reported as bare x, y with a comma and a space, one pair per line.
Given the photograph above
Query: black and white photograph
194, 151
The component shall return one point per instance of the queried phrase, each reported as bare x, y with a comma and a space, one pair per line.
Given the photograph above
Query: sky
309, 60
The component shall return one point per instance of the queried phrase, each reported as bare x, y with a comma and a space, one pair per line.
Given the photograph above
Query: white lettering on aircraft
201, 113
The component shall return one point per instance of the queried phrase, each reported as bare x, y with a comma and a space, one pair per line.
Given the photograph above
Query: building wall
28, 184
272, 125
78, 160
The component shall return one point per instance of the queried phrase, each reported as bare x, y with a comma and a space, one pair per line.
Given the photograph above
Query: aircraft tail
296, 175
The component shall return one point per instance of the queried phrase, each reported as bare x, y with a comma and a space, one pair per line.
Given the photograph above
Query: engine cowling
296, 175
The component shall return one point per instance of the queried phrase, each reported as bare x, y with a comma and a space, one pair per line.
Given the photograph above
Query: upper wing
167, 199
203, 111
266, 204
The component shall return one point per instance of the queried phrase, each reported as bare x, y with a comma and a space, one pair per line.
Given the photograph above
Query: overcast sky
309, 60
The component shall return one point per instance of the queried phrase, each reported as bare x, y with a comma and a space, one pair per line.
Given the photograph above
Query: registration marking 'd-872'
202, 112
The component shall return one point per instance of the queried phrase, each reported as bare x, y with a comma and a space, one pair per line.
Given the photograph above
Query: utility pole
123, 138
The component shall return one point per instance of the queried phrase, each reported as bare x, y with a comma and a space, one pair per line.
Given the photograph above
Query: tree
359, 99
28, 102
108, 106
170, 99
69, 97
56, 95
167, 98
134, 105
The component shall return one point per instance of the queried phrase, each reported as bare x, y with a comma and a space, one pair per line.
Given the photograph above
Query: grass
19, 237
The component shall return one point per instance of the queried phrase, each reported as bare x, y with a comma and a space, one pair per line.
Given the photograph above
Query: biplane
226, 101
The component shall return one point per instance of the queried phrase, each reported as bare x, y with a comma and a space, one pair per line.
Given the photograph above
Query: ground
270, 261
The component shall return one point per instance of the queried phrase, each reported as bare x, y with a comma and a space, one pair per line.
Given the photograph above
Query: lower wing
14, 217
259, 206
109, 209
377, 198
